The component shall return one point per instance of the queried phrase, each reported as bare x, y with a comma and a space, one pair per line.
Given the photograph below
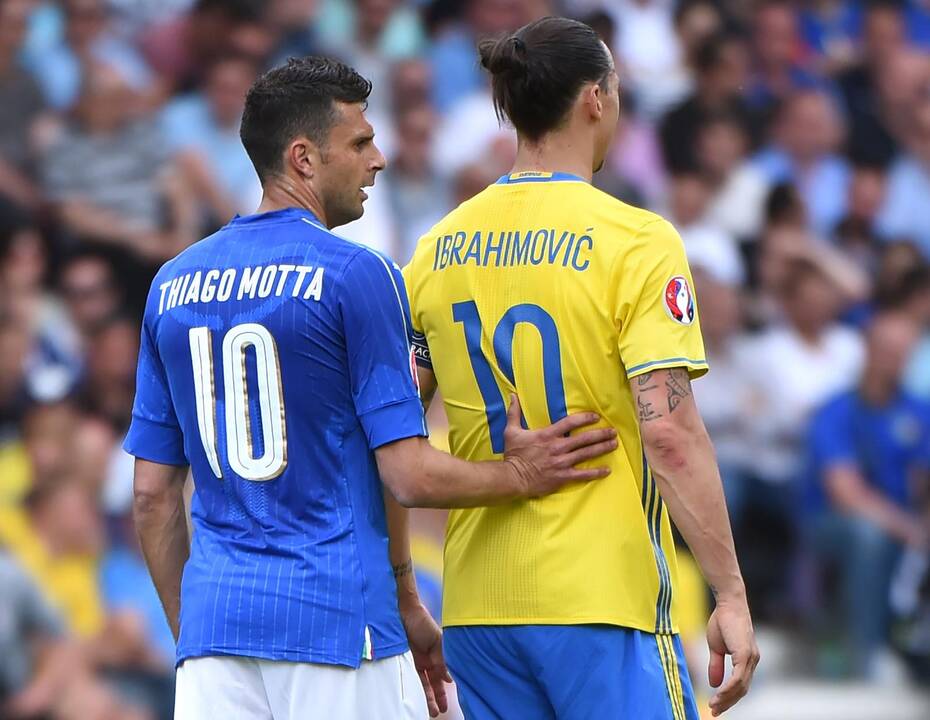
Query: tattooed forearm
404, 568
646, 411
679, 387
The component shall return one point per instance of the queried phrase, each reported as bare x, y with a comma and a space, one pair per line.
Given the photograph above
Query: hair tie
518, 44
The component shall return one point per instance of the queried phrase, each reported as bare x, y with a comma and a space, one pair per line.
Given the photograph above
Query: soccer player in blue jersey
276, 364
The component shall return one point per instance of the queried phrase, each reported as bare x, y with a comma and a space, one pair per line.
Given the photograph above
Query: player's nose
378, 162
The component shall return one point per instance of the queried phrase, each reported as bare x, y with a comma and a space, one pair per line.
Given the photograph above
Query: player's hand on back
546, 459
729, 632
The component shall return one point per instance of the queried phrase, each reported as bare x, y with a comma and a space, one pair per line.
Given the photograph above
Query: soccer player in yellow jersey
541, 285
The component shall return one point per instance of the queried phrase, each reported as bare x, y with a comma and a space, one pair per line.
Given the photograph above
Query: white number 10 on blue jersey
239, 445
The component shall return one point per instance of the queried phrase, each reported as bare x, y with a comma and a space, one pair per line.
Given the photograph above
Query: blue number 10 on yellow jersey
544, 286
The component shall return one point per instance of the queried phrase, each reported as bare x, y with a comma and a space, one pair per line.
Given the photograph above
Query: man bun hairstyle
537, 72
296, 99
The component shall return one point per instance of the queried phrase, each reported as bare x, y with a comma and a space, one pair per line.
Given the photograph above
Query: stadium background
789, 142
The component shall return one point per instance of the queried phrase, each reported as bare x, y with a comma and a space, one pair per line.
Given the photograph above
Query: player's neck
280, 193
555, 153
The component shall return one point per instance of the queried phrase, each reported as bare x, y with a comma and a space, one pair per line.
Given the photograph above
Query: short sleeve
656, 311
154, 433
382, 372
418, 342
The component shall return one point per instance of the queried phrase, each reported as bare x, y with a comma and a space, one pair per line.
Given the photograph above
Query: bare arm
161, 522
682, 459
423, 633
850, 493
536, 462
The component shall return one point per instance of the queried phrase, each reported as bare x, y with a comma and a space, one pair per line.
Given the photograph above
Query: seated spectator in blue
806, 138
777, 70
87, 36
904, 214
202, 132
868, 449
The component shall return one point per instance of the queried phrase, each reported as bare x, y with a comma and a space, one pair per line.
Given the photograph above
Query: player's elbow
400, 468
405, 493
668, 444
151, 495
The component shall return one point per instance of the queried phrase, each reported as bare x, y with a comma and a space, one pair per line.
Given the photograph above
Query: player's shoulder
628, 222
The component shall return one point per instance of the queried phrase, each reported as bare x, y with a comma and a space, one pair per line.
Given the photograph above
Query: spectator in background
420, 197
791, 368
903, 214
21, 104
738, 187
650, 58
38, 661
369, 35
88, 286
883, 35
696, 21
294, 25
456, 74
724, 400
689, 197
721, 68
106, 173
855, 235
806, 137
777, 72
109, 381
180, 49
49, 366
202, 131
89, 38
868, 446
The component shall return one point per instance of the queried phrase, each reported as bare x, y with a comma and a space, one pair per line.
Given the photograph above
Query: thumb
513, 413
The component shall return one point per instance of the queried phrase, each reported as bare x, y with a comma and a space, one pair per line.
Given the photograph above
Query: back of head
293, 100
537, 72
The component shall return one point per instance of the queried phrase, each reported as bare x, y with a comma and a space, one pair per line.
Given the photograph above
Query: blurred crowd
789, 142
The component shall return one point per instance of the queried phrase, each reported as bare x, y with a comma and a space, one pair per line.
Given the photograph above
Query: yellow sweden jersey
543, 285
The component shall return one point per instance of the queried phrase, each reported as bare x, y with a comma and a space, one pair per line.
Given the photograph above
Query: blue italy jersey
275, 358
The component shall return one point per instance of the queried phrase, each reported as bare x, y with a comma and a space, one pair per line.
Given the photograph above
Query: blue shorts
568, 672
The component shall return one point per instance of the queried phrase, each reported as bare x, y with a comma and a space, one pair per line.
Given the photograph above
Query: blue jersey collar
274, 216
538, 176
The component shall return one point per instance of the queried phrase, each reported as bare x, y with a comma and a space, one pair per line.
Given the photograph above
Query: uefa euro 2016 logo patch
679, 300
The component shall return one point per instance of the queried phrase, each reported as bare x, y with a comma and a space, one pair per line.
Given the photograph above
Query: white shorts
238, 688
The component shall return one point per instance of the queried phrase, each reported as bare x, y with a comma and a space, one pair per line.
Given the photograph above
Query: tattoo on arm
643, 380
404, 568
679, 387
646, 411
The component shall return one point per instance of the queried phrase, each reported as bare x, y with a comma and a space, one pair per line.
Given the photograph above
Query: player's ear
593, 100
303, 157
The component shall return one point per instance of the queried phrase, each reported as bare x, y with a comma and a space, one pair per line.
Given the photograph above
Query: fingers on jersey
569, 450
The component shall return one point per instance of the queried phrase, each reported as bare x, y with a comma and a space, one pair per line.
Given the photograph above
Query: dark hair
910, 284
296, 99
709, 53
537, 72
